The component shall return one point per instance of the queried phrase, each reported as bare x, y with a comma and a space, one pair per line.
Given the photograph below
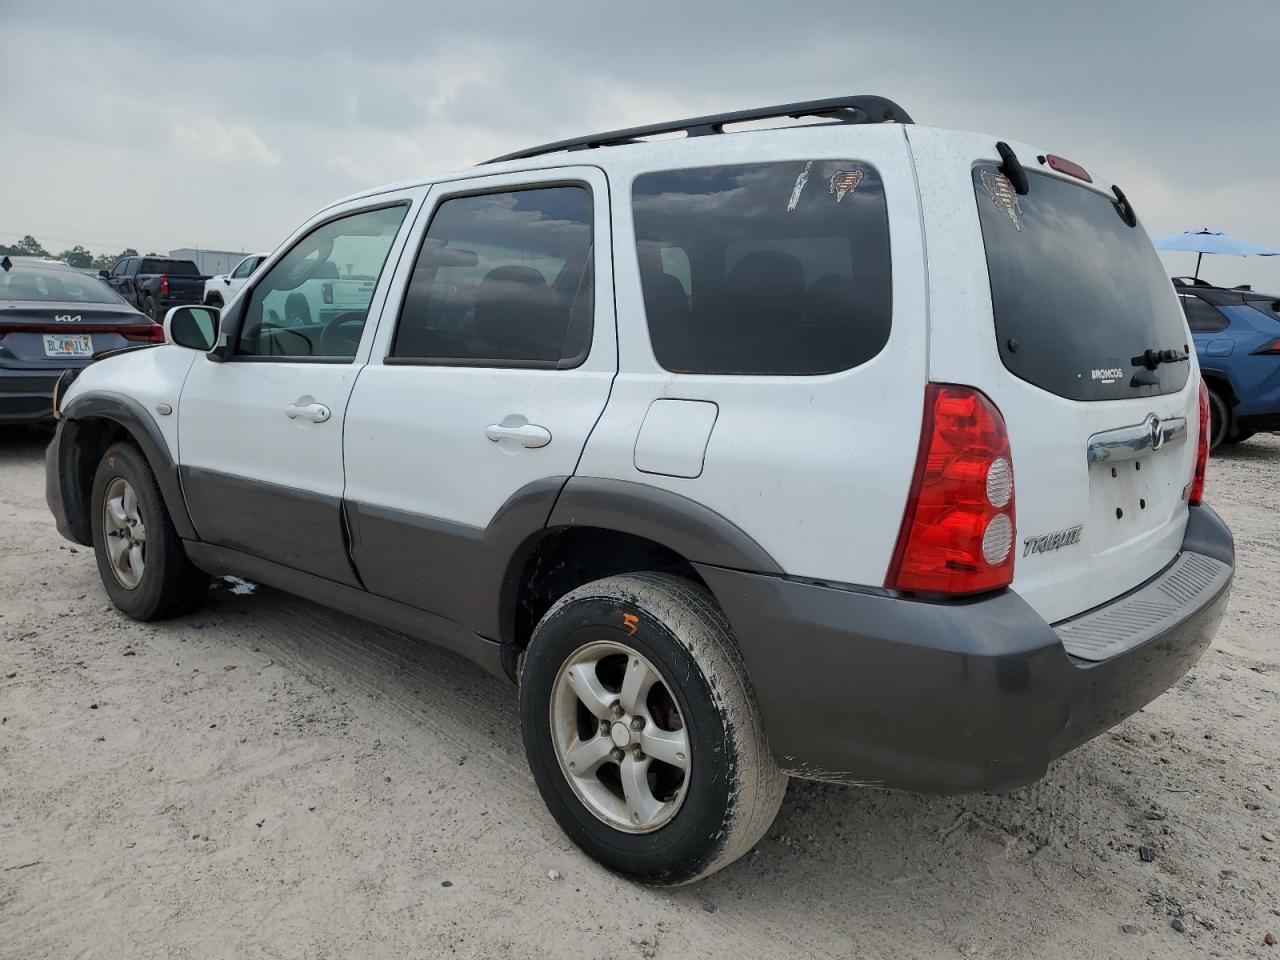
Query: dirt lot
268, 779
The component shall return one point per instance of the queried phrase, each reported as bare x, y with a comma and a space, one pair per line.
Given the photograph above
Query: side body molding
462, 573
694, 531
135, 418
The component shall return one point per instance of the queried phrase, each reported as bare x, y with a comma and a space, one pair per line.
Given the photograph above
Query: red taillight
143, 333
138, 333
1272, 348
958, 530
1202, 449
164, 286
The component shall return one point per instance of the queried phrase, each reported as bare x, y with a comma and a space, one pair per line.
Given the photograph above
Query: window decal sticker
1000, 189
844, 182
799, 187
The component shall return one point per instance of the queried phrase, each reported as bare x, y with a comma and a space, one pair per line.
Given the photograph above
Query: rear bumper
26, 396
872, 688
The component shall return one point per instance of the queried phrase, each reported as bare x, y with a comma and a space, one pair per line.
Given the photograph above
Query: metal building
210, 262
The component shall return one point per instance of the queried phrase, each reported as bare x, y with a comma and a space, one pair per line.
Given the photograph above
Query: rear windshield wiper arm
1153, 358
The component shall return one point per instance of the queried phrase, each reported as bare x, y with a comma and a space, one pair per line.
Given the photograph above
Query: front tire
642, 731
143, 567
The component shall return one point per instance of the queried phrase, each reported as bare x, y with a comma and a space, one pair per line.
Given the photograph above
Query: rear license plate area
68, 345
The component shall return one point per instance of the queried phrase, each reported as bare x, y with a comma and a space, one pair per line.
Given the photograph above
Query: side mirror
195, 328
227, 280
104, 275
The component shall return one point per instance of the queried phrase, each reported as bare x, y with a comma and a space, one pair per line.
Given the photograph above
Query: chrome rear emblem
66, 318
1157, 432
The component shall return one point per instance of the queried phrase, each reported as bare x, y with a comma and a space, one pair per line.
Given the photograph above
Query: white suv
857, 451
219, 290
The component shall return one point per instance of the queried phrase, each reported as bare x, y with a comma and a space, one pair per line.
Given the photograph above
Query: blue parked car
1237, 336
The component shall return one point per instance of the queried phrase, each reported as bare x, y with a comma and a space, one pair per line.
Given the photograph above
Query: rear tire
150, 309
1219, 419
141, 561
1240, 436
694, 785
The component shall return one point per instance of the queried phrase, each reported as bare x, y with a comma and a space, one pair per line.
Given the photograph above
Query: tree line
77, 256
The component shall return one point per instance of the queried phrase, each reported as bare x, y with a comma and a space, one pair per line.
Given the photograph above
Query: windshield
1077, 293
31, 283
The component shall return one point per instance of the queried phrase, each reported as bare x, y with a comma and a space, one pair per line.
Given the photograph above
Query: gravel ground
265, 778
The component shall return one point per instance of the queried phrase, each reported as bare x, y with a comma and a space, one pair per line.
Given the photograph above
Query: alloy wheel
124, 533
619, 736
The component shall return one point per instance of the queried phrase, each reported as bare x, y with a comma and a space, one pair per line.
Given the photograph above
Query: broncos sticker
844, 182
1000, 189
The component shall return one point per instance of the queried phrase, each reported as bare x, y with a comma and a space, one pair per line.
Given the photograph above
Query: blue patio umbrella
1204, 241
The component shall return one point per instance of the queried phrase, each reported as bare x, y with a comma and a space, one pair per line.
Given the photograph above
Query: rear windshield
1077, 293
55, 286
174, 268
764, 268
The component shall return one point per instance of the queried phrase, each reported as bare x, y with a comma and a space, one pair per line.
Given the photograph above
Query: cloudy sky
224, 125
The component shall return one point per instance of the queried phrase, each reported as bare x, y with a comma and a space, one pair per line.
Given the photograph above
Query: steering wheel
341, 335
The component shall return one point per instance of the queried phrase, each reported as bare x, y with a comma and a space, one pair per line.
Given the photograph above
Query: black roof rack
857, 109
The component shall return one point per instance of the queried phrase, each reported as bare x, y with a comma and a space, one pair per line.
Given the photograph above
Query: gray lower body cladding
867, 687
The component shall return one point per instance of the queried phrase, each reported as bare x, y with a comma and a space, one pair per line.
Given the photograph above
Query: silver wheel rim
124, 533
620, 738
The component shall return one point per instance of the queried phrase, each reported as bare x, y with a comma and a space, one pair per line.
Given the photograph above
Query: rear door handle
307, 409
527, 435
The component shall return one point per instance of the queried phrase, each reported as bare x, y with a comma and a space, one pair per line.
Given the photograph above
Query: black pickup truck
154, 284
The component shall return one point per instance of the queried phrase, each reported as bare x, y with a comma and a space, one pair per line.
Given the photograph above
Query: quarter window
1201, 316
765, 268
314, 301
502, 279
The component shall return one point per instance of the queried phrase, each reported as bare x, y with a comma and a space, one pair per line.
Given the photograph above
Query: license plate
59, 345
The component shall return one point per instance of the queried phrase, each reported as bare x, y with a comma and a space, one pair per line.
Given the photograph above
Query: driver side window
313, 303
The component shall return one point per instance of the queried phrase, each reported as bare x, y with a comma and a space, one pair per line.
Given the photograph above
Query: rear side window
764, 268
502, 279
1201, 316
1076, 292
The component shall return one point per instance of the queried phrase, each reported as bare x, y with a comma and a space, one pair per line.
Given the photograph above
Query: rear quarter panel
815, 469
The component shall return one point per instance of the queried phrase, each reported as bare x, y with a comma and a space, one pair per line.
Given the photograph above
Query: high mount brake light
1196, 493
1069, 167
958, 530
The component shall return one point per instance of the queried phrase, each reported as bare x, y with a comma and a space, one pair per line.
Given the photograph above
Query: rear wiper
1153, 358
1149, 360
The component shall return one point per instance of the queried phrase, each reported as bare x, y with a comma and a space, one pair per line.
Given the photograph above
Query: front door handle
527, 434
307, 409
